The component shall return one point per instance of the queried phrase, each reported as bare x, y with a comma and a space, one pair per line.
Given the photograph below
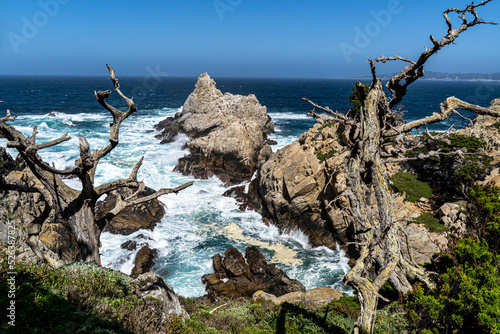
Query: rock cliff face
150, 286
296, 188
228, 132
237, 276
26, 211
293, 186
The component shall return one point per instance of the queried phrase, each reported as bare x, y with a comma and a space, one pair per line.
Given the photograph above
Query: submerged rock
227, 132
144, 260
237, 276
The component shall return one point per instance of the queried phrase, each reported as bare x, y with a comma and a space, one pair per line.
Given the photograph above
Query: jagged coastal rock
292, 186
228, 133
142, 216
152, 286
235, 275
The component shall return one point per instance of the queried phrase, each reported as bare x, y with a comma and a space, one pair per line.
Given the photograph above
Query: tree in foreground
71, 208
376, 139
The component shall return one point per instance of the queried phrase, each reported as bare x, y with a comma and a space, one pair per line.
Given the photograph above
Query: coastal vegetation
381, 258
410, 185
86, 298
467, 298
456, 292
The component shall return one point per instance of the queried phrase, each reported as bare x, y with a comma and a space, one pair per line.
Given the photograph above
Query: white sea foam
276, 116
195, 227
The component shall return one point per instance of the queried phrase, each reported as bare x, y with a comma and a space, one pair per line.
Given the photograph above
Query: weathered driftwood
376, 232
75, 208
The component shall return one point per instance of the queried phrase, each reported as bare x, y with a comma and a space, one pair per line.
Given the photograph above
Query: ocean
199, 221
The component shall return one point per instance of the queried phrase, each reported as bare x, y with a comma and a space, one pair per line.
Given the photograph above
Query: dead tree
75, 209
376, 229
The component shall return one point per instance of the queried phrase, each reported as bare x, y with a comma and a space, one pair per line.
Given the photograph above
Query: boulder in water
235, 275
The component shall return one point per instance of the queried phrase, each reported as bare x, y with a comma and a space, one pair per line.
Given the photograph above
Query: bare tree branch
118, 116
8, 117
447, 108
415, 70
122, 204
337, 117
32, 149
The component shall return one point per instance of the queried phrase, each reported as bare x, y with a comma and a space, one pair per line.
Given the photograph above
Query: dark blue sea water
199, 222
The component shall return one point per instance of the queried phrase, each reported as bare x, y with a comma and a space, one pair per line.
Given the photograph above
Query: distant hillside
453, 76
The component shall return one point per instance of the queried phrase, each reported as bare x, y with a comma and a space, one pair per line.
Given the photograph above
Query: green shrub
324, 156
327, 125
354, 101
252, 317
431, 222
452, 172
42, 308
485, 214
345, 306
411, 186
468, 298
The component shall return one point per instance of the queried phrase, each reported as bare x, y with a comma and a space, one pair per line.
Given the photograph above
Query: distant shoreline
437, 79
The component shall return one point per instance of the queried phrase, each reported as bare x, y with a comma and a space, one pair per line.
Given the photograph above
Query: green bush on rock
411, 185
431, 222
468, 299
449, 170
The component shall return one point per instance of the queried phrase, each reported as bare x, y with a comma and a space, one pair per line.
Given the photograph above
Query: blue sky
237, 38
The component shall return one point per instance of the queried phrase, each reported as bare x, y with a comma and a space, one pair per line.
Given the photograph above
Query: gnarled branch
447, 108
415, 69
118, 116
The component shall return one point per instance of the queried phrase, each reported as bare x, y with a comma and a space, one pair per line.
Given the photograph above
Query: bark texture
376, 228
70, 209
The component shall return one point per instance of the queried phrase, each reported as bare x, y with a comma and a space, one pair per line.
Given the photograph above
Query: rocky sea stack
228, 133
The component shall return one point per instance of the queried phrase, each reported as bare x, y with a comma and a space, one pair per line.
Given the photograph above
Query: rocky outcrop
142, 216
27, 212
144, 260
227, 132
6, 162
237, 276
293, 186
452, 215
150, 285
423, 244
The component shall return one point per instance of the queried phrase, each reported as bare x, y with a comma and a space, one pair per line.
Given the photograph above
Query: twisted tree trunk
376, 229
74, 209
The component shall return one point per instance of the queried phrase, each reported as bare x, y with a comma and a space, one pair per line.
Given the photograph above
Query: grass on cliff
85, 298
325, 156
43, 306
252, 317
410, 185
431, 222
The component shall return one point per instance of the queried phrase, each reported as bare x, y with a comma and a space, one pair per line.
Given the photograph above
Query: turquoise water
199, 221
